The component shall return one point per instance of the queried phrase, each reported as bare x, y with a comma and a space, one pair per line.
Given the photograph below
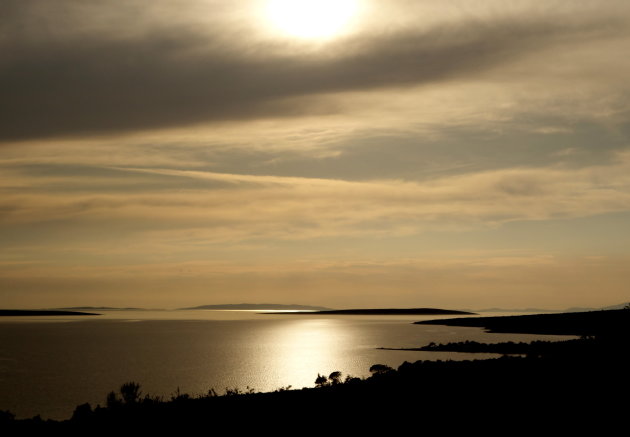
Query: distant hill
542, 310
621, 306
515, 310
101, 309
258, 307
393, 311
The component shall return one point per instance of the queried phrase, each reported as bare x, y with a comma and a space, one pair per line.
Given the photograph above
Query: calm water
48, 365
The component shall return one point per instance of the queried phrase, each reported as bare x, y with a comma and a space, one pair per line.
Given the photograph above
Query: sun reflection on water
304, 348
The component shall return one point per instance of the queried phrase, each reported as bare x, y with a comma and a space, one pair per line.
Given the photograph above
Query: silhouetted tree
335, 377
321, 381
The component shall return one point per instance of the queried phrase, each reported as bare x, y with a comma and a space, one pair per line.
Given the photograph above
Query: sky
356, 153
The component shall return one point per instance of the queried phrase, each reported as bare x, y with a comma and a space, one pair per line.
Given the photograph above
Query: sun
311, 19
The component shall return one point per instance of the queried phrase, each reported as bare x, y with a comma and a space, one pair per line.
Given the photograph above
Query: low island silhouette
385, 312
257, 307
14, 313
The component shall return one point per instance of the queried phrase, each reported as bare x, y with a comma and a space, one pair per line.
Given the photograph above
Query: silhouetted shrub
236, 391
6, 416
130, 392
112, 400
379, 369
351, 380
321, 381
281, 389
82, 413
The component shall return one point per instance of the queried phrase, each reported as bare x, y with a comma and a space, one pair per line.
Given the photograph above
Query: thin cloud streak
254, 207
451, 281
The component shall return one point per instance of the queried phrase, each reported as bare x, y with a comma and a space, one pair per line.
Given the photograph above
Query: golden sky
358, 153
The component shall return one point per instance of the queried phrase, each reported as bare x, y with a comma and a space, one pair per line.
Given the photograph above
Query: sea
51, 364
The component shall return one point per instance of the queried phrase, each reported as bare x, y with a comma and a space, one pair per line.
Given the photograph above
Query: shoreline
572, 374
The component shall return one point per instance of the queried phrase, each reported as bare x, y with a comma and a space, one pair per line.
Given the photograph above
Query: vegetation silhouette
321, 381
534, 348
335, 377
379, 369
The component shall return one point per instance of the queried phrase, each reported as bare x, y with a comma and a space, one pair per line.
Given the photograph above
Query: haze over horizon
460, 154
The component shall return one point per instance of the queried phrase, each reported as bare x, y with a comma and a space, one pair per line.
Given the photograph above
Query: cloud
482, 281
222, 208
88, 76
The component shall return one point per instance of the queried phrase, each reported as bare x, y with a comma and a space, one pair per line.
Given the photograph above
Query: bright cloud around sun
312, 19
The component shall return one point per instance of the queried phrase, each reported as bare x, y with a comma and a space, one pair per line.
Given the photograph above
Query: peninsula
581, 323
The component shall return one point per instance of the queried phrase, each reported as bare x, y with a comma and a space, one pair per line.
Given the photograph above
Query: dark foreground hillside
585, 388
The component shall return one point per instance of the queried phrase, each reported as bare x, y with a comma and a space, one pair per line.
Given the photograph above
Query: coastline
602, 322
584, 376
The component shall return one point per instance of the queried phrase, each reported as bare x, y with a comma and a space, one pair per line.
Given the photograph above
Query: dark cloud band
105, 83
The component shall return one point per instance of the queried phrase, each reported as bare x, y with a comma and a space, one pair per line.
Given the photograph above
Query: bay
49, 365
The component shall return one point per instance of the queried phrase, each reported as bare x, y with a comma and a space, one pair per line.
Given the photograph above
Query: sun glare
311, 19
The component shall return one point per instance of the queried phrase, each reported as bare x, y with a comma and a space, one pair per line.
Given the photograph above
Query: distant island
44, 313
258, 307
391, 311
